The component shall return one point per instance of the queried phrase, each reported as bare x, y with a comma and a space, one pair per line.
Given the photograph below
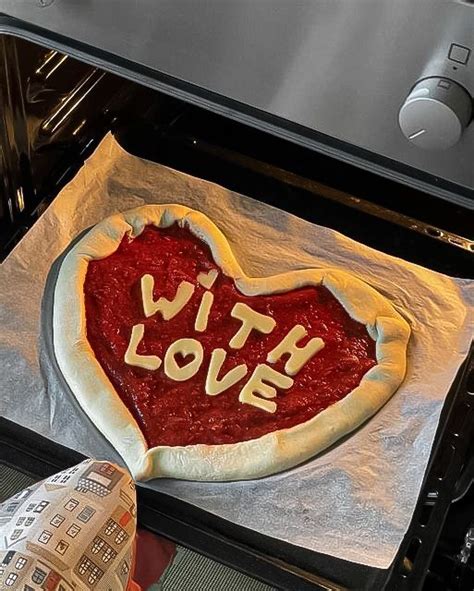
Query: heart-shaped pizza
194, 370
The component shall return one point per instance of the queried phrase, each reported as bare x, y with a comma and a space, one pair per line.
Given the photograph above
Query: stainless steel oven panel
341, 67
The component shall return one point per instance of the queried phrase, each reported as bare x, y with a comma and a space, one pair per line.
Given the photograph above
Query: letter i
202, 317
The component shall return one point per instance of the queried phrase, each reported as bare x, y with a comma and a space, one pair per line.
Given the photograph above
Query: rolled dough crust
255, 458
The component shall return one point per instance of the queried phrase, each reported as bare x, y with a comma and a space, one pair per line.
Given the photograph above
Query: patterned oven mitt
76, 530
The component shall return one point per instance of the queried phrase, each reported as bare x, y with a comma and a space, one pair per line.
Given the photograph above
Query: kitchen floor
190, 571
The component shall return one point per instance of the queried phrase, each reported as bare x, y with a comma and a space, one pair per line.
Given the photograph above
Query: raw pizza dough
244, 460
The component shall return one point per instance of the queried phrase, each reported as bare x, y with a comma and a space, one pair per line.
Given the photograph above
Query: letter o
184, 347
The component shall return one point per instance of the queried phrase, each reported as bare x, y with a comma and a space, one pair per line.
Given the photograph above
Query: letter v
215, 386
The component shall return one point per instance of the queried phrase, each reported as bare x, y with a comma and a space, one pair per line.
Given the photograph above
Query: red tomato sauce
180, 413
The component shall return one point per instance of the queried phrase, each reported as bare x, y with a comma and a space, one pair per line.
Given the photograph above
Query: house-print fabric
75, 530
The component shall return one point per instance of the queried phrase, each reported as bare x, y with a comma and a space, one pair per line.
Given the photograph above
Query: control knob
435, 113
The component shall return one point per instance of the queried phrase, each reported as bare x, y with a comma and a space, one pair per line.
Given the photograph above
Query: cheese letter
203, 313
133, 358
207, 279
167, 308
256, 385
215, 386
184, 347
298, 355
250, 320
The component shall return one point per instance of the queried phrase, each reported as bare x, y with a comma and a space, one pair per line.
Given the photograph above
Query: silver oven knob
435, 113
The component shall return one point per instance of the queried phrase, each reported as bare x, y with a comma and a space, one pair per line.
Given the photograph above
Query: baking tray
278, 563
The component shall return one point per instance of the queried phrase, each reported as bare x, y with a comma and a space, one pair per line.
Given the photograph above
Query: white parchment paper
356, 500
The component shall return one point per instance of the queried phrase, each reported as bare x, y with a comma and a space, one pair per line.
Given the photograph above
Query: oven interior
55, 111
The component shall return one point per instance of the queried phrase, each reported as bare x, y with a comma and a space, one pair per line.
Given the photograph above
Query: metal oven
362, 111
